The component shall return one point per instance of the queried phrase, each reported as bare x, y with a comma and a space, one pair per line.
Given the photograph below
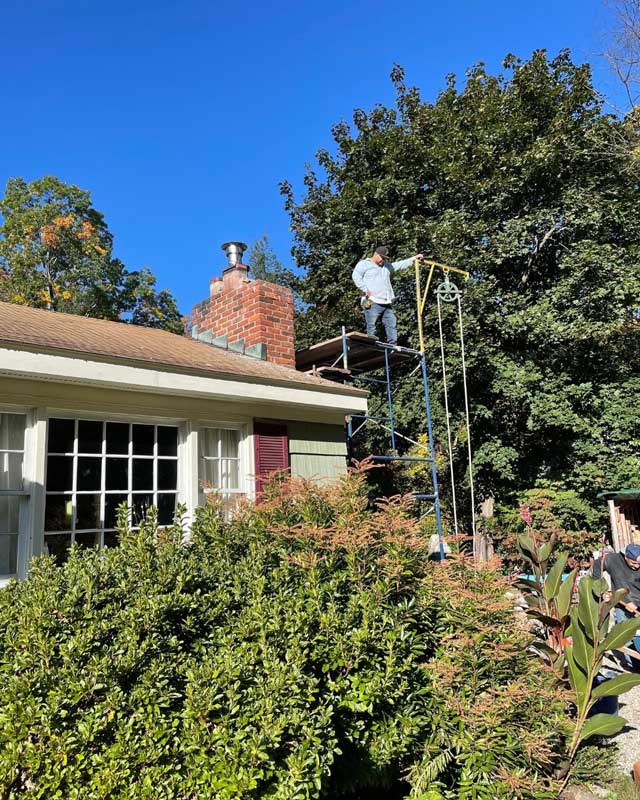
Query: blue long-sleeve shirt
376, 279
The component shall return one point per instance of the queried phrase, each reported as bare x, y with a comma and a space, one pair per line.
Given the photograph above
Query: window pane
12, 431
143, 440
88, 539
58, 546
117, 438
58, 513
89, 437
141, 504
111, 504
9, 514
111, 539
87, 511
210, 473
166, 508
167, 474
208, 442
117, 474
89, 474
167, 441
11, 471
229, 441
230, 474
59, 473
61, 435
9, 554
142, 474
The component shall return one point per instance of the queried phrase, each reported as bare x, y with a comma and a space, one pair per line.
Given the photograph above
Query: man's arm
406, 262
358, 275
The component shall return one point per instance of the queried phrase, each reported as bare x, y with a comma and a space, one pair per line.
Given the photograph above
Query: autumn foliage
305, 648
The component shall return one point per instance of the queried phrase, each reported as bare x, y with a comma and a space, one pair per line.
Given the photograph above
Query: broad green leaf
527, 584
618, 685
588, 608
528, 548
577, 678
620, 634
602, 725
583, 652
550, 622
545, 550
565, 593
554, 577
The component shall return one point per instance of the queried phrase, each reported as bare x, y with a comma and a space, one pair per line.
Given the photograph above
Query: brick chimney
250, 316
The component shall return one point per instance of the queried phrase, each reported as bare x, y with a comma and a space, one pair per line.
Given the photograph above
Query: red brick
257, 312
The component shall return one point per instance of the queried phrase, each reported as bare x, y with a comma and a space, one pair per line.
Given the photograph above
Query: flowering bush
547, 513
304, 649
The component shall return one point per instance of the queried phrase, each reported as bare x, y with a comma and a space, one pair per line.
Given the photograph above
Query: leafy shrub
304, 649
555, 512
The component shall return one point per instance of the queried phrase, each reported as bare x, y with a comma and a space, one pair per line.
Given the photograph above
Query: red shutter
271, 445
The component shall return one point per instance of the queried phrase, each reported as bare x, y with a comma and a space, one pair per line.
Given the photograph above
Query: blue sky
181, 117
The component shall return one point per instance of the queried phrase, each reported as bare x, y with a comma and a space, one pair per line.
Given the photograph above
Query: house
95, 413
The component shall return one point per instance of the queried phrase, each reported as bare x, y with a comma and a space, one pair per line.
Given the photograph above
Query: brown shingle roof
117, 341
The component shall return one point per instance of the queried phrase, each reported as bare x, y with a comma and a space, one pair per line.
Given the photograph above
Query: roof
625, 494
47, 331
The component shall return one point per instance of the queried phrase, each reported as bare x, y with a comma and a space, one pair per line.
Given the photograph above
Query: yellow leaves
66, 295
86, 231
44, 295
63, 221
19, 299
49, 236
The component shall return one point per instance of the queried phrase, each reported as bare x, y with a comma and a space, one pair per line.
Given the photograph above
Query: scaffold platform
359, 358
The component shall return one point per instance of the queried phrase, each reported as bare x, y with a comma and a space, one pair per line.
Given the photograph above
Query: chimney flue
234, 251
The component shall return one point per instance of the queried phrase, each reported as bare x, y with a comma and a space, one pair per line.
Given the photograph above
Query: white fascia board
64, 369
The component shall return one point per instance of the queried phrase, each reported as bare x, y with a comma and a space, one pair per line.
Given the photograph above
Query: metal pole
432, 452
390, 401
466, 411
416, 264
446, 411
345, 349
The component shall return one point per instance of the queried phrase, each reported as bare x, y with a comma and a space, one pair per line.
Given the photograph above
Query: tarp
624, 494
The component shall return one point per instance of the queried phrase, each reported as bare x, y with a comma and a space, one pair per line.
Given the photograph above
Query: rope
466, 411
446, 410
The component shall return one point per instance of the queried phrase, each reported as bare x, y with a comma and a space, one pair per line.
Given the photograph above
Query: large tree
510, 177
56, 253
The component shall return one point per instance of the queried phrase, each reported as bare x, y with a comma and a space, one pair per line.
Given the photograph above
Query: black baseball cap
382, 251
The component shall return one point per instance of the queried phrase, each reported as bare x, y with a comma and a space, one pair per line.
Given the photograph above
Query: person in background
373, 277
624, 571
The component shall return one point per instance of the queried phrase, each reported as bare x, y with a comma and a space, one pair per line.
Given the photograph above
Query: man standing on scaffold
373, 277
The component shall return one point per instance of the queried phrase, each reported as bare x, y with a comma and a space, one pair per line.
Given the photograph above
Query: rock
636, 773
578, 793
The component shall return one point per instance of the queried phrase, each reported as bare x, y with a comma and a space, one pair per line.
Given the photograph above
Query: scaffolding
358, 358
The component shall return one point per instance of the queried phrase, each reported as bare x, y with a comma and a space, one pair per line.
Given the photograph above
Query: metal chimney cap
241, 246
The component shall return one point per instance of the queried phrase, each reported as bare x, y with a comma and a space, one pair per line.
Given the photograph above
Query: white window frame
129, 419
26, 493
246, 485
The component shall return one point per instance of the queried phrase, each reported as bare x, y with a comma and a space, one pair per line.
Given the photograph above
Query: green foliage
586, 626
555, 512
305, 648
595, 764
56, 253
512, 177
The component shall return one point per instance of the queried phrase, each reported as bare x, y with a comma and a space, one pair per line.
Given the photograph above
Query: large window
93, 467
219, 465
12, 491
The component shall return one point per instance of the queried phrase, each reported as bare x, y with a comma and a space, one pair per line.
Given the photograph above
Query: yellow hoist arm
421, 299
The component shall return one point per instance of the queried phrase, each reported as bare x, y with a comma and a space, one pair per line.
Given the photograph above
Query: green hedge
304, 649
